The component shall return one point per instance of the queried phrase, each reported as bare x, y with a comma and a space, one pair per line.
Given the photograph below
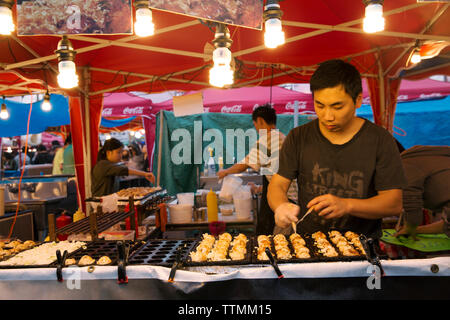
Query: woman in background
106, 170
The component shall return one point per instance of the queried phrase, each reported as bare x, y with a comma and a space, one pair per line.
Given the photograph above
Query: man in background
427, 170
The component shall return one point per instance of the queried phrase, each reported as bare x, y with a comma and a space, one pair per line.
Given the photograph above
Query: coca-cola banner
246, 13
39, 17
125, 111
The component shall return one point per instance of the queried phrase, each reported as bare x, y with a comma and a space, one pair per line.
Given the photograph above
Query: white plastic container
243, 203
180, 213
226, 209
230, 184
186, 198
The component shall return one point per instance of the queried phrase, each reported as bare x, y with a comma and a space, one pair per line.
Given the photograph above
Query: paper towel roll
2, 201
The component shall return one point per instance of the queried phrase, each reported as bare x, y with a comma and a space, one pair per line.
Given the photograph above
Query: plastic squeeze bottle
211, 164
211, 203
78, 215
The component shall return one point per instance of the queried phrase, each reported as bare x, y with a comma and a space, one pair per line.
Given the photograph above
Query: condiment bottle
62, 221
211, 203
78, 215
211, 164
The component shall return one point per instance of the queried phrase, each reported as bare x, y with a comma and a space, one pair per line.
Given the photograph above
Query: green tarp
185, 140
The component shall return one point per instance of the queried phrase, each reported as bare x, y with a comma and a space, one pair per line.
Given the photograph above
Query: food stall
143, 268
149, 278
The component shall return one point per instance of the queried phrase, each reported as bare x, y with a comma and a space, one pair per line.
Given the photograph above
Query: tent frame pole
382, 92
161, 123
88, 156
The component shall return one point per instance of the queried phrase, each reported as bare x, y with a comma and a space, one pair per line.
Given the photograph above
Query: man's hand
150, 177
255, 188
329, 206
286, 213
222, 173
406, 230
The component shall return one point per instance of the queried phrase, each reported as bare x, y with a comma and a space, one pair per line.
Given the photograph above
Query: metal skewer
294, 224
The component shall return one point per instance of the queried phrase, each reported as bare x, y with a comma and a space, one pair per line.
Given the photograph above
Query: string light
143, 27
46, 104
373, 21
4, 114
221, 74
415, 57
273, 35
6, 19
67, 77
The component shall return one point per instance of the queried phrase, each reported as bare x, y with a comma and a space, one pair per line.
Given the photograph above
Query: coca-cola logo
107, 112
135, 110
431, 95
402, 97
301, 105
234, 109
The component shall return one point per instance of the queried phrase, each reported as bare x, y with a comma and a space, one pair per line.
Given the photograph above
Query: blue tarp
419, 122
115, 123
16, 124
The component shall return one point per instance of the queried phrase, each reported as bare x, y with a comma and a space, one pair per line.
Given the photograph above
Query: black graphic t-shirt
368, 163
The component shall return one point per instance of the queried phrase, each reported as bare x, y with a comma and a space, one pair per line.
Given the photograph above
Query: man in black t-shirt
348, 169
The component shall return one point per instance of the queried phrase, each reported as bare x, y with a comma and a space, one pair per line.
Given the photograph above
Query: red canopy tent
174, 59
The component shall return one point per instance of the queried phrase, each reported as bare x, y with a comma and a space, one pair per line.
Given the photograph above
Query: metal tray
100, 248
313, 254
340, 256
246, 260
316, 256
161, 252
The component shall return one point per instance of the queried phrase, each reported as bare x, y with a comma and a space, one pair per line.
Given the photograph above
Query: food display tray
161, 252
53, 264
245, 261
316, 256
100, 248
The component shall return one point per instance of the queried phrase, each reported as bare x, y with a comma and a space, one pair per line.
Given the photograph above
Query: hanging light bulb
373, 21
67, 77
6, 18
4, 114
415, 57
46, 105
273, 35
221, 74
143, 27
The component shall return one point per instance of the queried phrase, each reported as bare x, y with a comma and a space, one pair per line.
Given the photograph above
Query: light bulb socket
272, 10
47, 96
7, 3
65, 50
367, 2
141, 4
222, 37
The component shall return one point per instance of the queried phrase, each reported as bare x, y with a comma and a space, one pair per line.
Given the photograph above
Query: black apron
265, 215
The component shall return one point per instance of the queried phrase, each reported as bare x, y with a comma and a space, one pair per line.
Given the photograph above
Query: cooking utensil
274, 264
177, 263
294, 224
